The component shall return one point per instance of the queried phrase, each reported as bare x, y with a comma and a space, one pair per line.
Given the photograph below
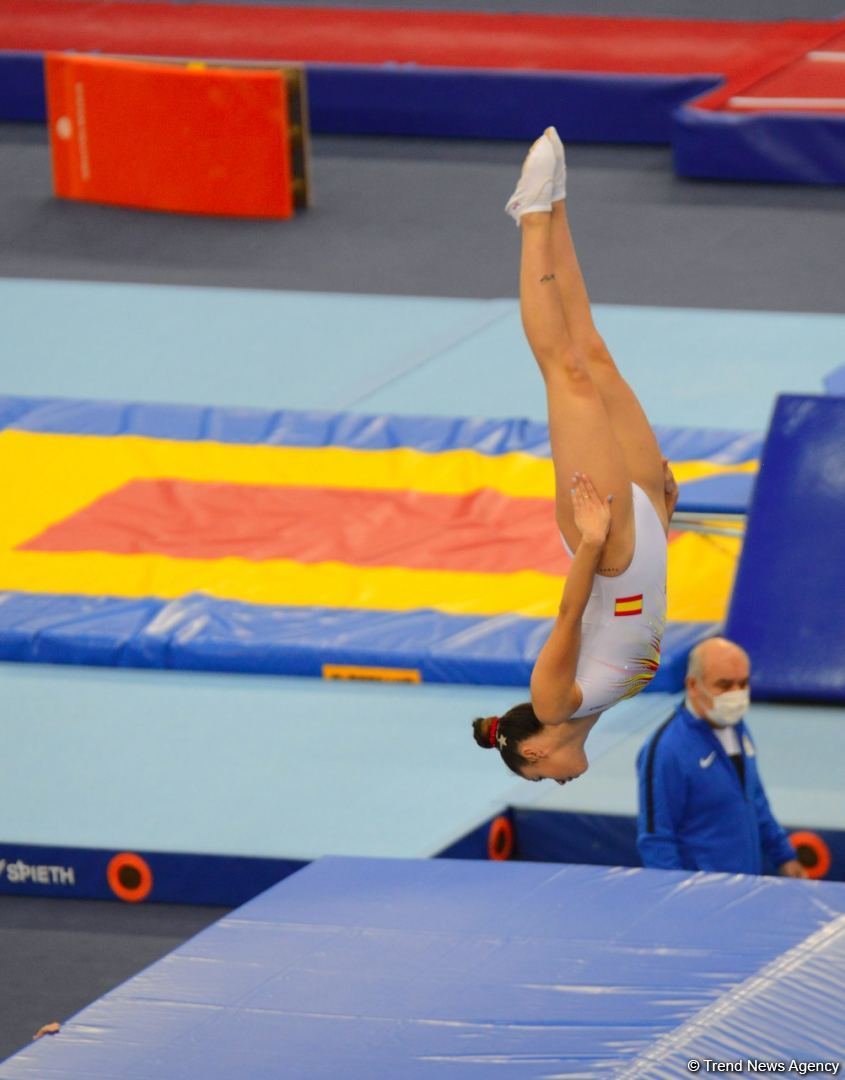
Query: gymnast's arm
554, 693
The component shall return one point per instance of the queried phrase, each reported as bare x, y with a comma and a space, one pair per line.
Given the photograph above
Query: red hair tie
494, 727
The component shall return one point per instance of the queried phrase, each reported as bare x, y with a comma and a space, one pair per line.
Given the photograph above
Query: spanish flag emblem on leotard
629, 605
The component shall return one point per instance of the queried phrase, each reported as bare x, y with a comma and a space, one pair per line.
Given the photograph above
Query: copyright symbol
693, 1065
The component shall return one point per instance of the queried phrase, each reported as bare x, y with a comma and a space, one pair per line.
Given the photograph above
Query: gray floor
424, 217
60, 955
415, 217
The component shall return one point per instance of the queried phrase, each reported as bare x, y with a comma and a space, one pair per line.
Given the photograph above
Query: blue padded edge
404, 99
179, 878
22, 91
726, 494
287, 427
282, 427
722, 145
786, 607
200, 633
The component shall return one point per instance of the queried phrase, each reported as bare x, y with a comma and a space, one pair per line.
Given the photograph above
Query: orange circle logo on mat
129, 877
813, 853
500, 839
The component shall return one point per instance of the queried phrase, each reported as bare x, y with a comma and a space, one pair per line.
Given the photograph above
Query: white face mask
729, 708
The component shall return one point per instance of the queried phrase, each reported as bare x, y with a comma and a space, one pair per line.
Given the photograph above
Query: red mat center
484, 531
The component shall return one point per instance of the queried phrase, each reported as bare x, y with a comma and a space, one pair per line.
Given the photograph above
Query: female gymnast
614, 497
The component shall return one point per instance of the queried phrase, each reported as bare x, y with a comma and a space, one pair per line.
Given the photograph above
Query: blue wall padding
592, 839
404, 100
794, 149
201, 633
611, 839
22, 90
177, 878
362, 968
289, 427
787, 604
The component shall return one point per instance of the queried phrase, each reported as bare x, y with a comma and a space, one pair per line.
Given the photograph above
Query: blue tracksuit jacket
694, 813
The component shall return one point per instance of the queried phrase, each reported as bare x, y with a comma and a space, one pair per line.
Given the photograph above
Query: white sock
559, 185
533, 192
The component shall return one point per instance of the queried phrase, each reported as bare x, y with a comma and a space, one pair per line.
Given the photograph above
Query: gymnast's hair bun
481, 731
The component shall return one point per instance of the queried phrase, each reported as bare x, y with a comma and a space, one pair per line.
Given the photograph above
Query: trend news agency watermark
762, 1066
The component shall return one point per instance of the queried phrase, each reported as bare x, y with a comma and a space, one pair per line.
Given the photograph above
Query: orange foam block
167, 136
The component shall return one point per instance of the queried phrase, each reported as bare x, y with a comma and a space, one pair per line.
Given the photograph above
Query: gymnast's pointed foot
533, 192
559, 179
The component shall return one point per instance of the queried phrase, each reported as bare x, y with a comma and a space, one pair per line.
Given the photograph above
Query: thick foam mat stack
366, 968
309, 543
786, 607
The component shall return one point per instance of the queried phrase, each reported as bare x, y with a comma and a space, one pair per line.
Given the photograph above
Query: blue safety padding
796, 149
201, 633
786, 607
717, 445
729, 493
22, 91
611, 839
177, 878
362, 968
406, 100
592, 839
289, 427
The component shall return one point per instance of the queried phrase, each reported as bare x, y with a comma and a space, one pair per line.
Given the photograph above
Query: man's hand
592, 513
793, 869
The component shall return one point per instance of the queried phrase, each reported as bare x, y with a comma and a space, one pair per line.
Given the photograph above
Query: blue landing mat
361, 968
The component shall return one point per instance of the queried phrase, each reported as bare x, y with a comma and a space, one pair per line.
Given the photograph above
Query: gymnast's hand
670, 488
592, 513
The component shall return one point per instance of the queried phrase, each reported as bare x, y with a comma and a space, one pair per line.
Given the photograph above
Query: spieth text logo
19, 873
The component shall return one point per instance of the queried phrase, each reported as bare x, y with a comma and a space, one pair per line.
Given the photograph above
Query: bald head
715, 667
715, 652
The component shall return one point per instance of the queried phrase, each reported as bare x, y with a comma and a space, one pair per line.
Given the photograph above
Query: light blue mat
390, 354
262, 766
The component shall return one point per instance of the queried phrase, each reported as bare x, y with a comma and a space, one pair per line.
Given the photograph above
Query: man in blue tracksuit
701, 801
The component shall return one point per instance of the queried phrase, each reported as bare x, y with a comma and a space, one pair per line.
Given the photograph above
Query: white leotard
623, 622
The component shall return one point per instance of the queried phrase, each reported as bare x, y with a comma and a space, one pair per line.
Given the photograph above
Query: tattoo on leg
546, 277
